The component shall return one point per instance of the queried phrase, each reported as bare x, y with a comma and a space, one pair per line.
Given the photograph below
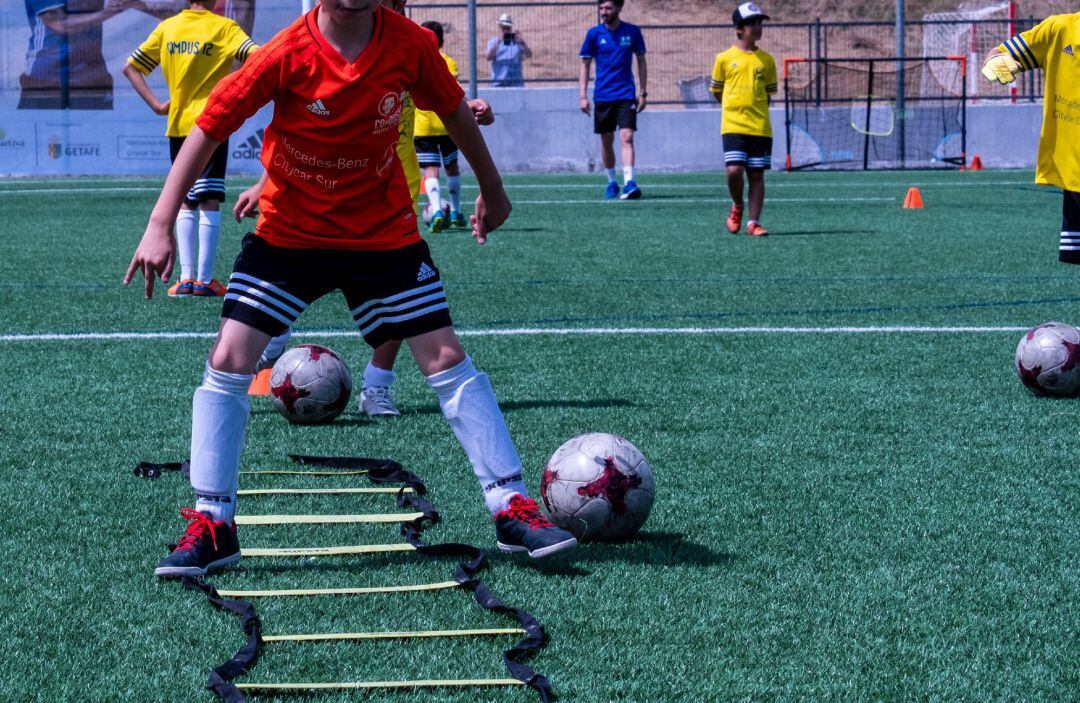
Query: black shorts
435, 151
620, 114
211, 182
749, 150
1069, 248
394, 294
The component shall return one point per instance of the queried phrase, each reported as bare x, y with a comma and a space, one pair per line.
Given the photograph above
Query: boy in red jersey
336, 214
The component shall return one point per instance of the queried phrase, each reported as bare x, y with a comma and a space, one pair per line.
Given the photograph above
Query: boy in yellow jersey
743, 78
435, 148
196, 49
1054, 46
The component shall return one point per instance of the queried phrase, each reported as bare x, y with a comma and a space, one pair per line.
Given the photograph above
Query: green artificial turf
839, 515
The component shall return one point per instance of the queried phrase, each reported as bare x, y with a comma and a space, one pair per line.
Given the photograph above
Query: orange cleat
756, 230
734, 219
182, 289
213, 289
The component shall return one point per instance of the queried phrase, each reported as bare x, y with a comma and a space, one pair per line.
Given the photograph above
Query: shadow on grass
805, 232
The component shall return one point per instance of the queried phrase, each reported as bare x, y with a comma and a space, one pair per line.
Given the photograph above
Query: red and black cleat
523, 528
205, 545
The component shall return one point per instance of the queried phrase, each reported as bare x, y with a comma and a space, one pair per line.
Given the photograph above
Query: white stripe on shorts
407, 305
285, 295
358, 311
401, 318
243, 299
288, 309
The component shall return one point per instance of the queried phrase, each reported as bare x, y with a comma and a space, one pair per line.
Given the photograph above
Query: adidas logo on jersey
425, 272
319, 109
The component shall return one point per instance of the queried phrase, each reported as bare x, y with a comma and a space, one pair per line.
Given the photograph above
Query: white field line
535, 331
646, 201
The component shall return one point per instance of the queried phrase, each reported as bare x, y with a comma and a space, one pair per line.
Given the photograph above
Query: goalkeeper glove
1001, 68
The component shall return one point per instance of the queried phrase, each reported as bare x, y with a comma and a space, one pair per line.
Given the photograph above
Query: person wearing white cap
743, 79
506, 52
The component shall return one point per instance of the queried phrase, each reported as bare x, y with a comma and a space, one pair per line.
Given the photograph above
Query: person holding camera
506, 52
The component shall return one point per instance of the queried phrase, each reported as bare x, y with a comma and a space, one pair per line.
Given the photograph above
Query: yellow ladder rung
323, 519
325, 551
340, 591
424, 683
315, 491
330, 636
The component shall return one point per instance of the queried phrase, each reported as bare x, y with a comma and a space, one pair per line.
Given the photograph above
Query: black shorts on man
435, 151
1069, 247
210, 184
394, 294
749, 150
620, 114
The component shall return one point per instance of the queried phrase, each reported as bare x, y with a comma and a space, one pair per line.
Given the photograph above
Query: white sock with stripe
209, 232
275, 347
187, 241
219, 415
374, 376
431, 187
469, 406
453, 187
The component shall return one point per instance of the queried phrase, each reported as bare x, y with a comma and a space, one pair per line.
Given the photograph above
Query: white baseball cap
746, 12
504, 19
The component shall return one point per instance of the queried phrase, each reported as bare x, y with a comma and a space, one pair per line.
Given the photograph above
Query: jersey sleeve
1029, 48
147, 57
240, 94
38, 7
588, 47
435, 89
639, 42
716, 85
238, 43
770, 75
452, 65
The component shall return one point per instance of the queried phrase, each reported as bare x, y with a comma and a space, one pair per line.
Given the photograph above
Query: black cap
746, 12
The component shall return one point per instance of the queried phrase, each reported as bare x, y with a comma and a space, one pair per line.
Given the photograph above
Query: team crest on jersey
390, 106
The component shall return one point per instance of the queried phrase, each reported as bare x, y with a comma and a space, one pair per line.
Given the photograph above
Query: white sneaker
378, 401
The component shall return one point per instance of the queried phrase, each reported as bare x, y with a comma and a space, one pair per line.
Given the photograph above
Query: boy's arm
493, 205
138, 81
156, 252
583, 84
643, 76
247, 204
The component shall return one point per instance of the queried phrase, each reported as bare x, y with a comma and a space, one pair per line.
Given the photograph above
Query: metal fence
680, 56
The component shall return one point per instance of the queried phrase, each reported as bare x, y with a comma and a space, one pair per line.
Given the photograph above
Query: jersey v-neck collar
367, 56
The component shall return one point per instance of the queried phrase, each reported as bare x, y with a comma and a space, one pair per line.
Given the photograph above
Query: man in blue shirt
613, 43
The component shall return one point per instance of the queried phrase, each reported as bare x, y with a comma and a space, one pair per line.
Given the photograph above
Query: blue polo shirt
613, 52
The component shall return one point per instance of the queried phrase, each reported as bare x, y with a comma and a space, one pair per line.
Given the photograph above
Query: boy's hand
489, 214
154, 256
481, 110
247, 205
1001, 68
584, 105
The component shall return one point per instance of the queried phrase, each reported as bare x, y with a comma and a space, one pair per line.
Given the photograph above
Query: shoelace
526, 510
198, 526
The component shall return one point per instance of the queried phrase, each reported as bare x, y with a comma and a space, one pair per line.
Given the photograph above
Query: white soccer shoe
378, 401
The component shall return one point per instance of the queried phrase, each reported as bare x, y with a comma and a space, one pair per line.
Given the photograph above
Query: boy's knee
735, 170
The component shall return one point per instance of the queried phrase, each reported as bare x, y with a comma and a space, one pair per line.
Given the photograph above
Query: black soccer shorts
435, 151
1069, 247
211, 182
749, 150
620, 114
394, 294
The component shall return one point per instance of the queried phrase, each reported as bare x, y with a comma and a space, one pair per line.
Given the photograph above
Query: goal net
875, 113
971, 30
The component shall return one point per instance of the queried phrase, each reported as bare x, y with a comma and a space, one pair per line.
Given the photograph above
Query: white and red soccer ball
1048, 359
598, 486
310, 384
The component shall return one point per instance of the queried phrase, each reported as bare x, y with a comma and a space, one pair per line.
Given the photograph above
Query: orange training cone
260, 385
913, 201
976, 163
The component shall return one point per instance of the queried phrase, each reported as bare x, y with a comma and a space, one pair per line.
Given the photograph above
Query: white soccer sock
374, 376
187, 242
611, 175
469, 406
627, 173
453, 186
275, 347
431, 187
219, 415
209, 229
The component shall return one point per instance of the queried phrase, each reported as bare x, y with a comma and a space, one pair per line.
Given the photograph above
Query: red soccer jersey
335, 181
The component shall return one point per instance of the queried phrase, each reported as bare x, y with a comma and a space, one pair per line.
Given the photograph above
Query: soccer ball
598, 486
310, 384
1048, 359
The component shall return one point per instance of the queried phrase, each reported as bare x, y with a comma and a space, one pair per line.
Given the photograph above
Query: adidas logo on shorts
425, 272
319, 109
